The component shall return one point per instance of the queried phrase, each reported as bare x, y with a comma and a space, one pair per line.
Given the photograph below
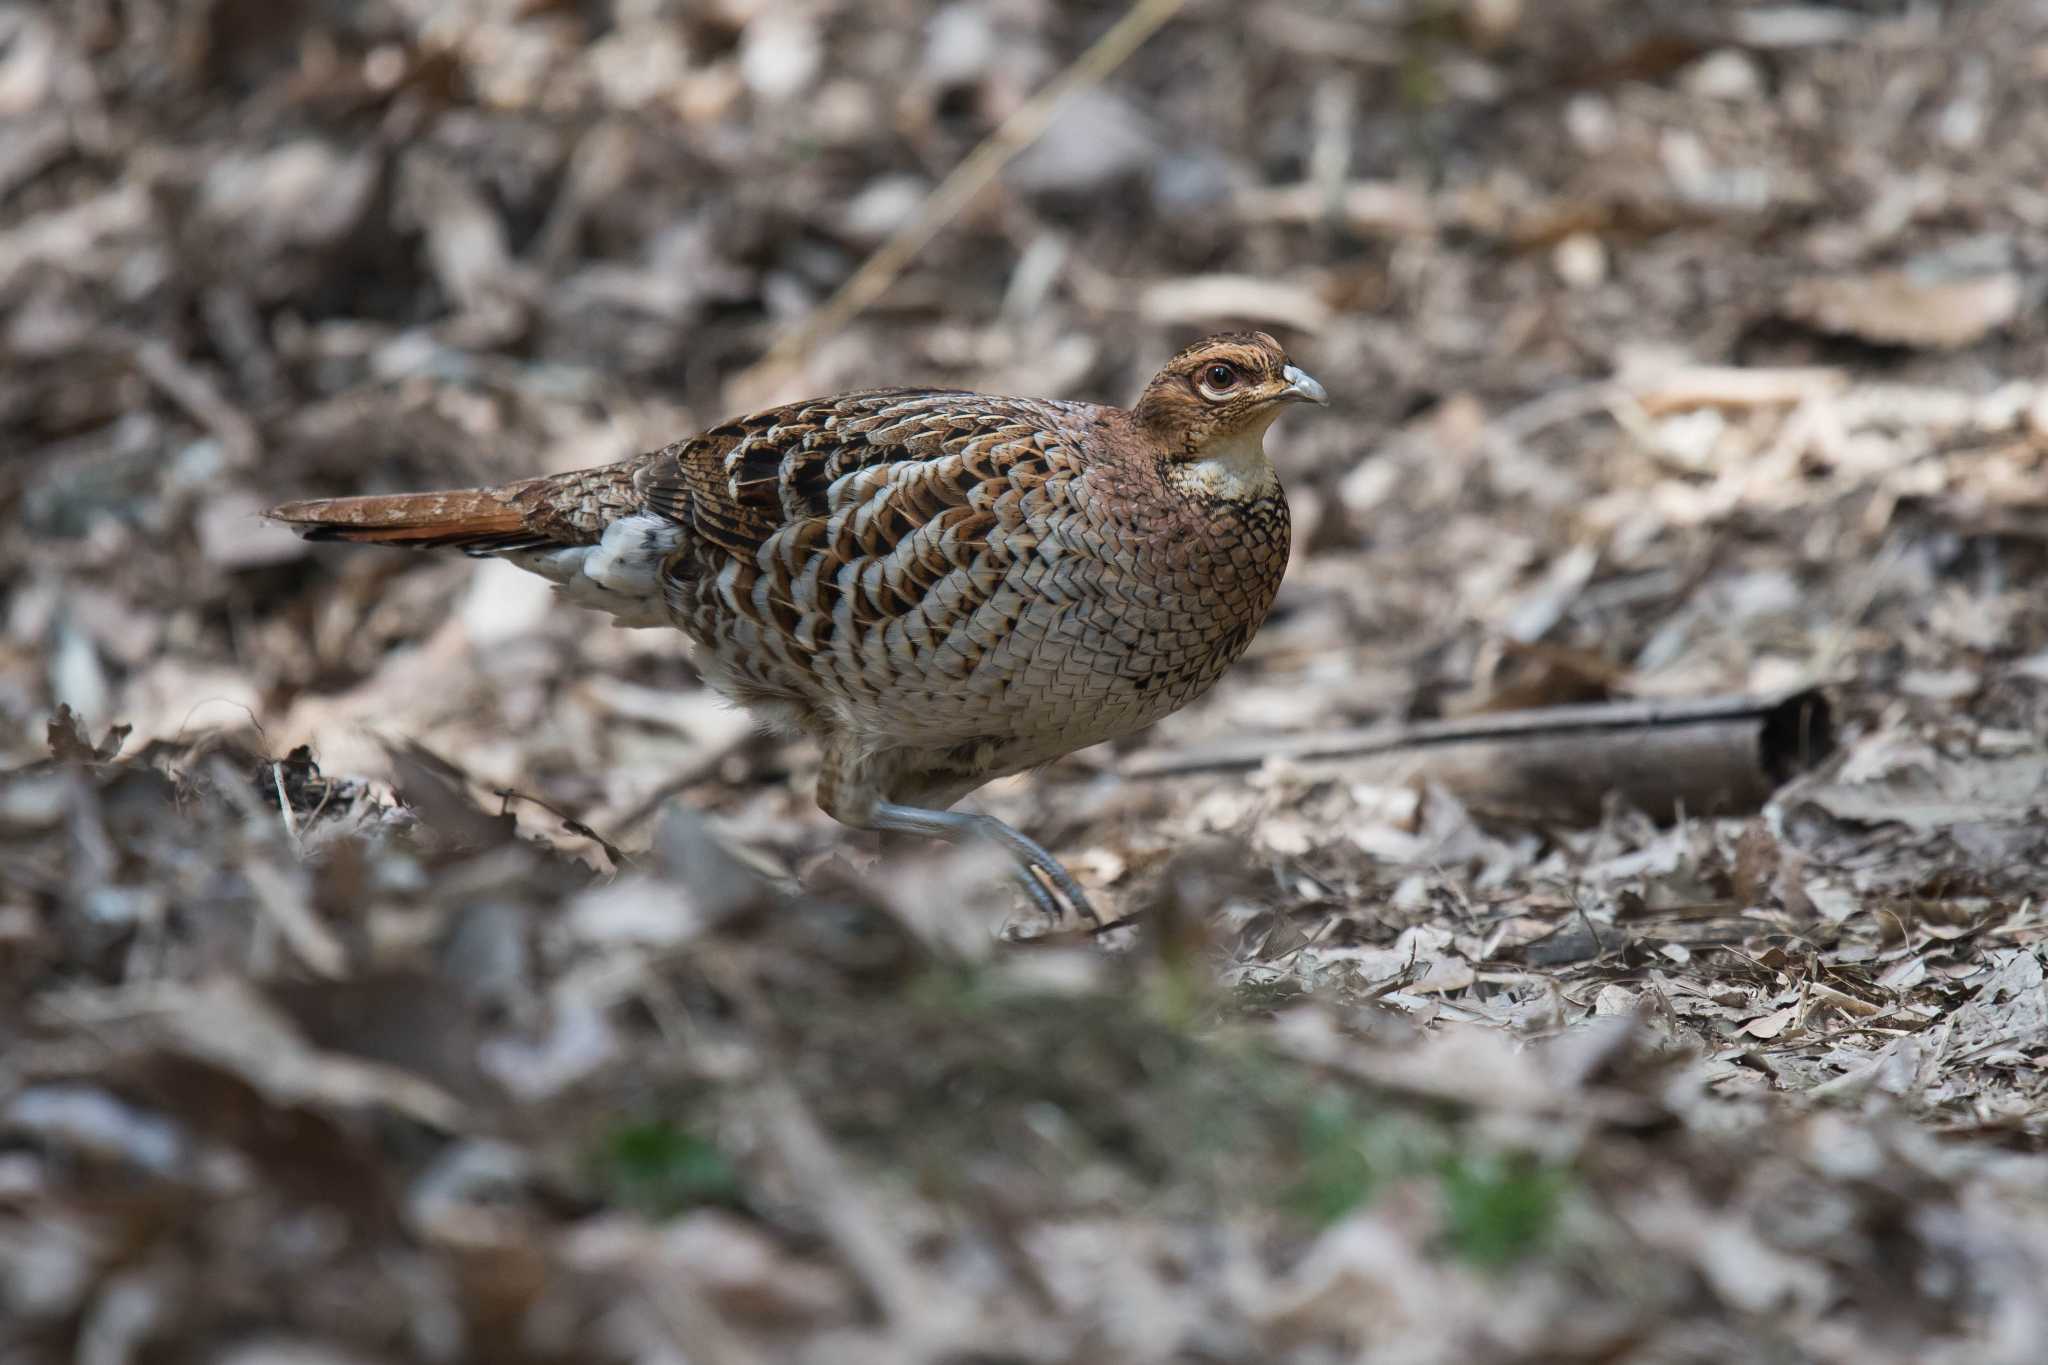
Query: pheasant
939, 587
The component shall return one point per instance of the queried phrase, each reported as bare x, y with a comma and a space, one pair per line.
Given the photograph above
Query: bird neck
1229, 468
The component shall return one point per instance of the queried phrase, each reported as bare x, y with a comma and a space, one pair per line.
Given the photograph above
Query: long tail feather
480, 520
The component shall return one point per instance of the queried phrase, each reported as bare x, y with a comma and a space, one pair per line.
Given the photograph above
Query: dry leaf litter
400, 968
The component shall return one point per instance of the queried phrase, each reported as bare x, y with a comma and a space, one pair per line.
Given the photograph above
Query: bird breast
1132, 597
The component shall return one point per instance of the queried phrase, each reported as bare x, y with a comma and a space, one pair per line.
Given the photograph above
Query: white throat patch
1234, 468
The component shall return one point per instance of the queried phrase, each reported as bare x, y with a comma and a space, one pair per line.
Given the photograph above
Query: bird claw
1033, 863
1049, 886
1028, 873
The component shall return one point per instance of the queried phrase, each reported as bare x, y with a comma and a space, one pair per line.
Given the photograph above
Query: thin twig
1586, 920
507, 795
284, 806
1022, 128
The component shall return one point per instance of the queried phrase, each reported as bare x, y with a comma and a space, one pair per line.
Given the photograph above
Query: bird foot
1030, 870
1049, 887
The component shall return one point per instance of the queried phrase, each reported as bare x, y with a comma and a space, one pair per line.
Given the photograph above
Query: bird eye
1219, 378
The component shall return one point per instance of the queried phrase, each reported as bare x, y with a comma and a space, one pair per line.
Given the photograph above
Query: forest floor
398, 966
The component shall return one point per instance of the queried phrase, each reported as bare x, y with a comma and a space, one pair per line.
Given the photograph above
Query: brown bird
941, 588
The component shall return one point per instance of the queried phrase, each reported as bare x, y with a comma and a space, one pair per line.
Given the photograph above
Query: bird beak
1301, 385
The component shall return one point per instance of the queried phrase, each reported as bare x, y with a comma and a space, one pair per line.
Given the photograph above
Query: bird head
1211, 404
1224, 387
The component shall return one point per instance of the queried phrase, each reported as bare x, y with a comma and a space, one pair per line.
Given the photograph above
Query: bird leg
1030, 860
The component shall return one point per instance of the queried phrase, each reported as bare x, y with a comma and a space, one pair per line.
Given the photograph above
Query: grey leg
1032, 861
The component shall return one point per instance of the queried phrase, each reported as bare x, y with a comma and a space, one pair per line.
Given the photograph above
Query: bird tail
465, 518
478, 520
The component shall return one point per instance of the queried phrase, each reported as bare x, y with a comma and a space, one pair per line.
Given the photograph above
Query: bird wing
742, 483
839, 516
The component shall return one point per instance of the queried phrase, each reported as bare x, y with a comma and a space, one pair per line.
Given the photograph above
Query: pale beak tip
1302, 385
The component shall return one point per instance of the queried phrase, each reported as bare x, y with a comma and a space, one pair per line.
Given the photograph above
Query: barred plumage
940, 587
